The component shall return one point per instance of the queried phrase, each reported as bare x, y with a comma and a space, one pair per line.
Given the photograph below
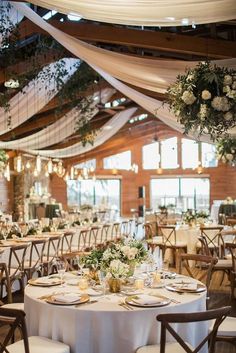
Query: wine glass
103, 282
80, 262
61, 269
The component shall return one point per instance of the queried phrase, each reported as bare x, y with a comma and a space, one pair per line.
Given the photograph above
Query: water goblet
61, 269
83, 285
80, 263
103, 282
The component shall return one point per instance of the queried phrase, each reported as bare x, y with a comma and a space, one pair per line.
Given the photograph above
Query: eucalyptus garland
226, 150
204, 99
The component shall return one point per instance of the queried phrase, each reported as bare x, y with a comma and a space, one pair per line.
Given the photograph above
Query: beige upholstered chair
180, 346
13, 319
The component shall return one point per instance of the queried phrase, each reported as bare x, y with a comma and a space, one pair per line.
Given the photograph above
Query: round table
106, 327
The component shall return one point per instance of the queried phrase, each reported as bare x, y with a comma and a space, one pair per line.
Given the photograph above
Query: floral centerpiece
204, 99
226, 150
189, 217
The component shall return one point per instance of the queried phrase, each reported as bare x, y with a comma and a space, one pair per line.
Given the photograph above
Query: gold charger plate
172, 287
161, 302
83, 299
33, 282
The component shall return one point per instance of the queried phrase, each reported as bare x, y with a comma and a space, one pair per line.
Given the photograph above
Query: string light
50, 166
38, 164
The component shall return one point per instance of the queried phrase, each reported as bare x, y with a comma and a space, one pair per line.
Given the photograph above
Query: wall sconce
199, 168
159, 170
114, 171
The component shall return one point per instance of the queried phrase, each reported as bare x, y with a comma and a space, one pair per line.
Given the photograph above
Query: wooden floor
219, 296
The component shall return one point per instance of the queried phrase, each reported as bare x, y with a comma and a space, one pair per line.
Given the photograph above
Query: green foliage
226, 150
204, 99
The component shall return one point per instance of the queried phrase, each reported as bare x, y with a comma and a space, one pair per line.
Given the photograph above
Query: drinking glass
83, 284
61, 269
80, 262
103, 282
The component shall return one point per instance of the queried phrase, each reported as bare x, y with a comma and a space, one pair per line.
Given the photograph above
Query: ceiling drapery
146, 12
57, 131
154, 75
33, 97
107, 131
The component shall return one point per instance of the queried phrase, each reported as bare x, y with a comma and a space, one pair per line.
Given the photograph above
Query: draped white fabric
155, 75
58, 131
33, 97
146, 12
107, 131
8, 17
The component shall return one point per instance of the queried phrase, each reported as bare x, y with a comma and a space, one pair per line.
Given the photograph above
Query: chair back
168, 235
203, 262
5, 279
213, 239
161, 218
148, 231
124, 229
105, 233
12, 319
52, 248
16, 260
35, 254
184, 318
66, 242
93, 237
115, 231
83, 240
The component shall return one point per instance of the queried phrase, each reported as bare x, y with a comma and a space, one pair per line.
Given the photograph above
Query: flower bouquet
204, 99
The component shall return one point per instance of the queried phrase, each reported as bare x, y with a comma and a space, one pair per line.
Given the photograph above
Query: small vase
93, 274
114, 285
131, 269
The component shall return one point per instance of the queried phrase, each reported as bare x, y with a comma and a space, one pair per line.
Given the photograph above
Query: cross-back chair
167, 320
93, 237
66, 253
169, 241
150, 236
213, 238
197, 266
115, 232
14, 319
33, 260
51, 253
105, 233
5, 281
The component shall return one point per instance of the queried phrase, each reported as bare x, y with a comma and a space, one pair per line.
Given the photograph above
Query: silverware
126, 306
167, 298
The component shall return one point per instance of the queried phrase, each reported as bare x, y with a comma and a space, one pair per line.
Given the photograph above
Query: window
91, 163
169, 155
118, 161
189, 154
209, 155
102, 192
151, 157
184, 193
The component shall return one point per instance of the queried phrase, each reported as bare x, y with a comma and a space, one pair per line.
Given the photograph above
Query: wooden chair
169, 241
150, 236
232, 249
93, 237
213, 239
200, 268
115, 232
16, 261
183, 318
5, 281
12, 320
33, 261
105, 233
51, 253
66, 253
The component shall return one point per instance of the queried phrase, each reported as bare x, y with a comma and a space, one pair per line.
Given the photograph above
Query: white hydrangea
228, 116
220, 104
188, 97
206, 94
229, 156
234, 85
118, 269
231, 94
228, 80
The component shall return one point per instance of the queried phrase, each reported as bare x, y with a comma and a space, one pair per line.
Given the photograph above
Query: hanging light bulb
199, 168
50, 166
55, 168
159, 170
35, 173
38, 164
72, 172
66, 178
28, 165
7, 173
60, 167
76, 172
18, 166
46, 174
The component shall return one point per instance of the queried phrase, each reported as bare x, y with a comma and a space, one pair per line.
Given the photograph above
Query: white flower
229, 156
223, 159
234, 85
232, 150
203, 111
228, 116
118, 269
188, 97
190, 77
220, 104
228, 80
206, 95
231, 94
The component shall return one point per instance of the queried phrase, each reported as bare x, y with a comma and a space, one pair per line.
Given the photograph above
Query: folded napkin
47, 280
187, 286
67, 297
91, 291
146, 299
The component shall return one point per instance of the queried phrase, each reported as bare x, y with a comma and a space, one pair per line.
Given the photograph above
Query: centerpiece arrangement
118, 260
204, 99
226, 150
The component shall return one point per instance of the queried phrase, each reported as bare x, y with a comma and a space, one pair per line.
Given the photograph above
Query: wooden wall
222, 178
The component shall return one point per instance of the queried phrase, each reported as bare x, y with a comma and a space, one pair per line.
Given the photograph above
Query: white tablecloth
106, 327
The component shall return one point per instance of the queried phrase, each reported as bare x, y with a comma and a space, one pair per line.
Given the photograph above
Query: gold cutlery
126, 306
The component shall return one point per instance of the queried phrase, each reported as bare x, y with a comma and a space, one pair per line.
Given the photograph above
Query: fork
126, 306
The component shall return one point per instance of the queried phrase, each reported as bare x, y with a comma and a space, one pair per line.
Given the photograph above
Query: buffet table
105, 326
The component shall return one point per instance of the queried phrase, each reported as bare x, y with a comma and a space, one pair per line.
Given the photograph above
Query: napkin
146, 299
46, 280
67, 297
187, 286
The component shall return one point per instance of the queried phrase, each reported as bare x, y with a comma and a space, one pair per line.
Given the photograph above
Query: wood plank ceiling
213, 41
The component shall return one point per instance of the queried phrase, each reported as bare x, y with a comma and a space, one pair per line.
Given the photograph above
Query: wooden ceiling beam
160, 41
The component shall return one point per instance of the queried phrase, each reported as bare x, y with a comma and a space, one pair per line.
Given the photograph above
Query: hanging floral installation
204, 100
226, 150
